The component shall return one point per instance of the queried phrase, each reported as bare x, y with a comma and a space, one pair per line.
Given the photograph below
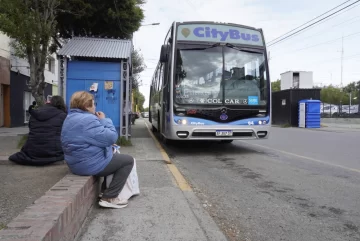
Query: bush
22, 141
121, 141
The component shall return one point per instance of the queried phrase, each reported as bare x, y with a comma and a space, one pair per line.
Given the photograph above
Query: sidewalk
162, 211
9, 138
21, 185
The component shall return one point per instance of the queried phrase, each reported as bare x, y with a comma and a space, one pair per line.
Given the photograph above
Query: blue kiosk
102, 67
309, 114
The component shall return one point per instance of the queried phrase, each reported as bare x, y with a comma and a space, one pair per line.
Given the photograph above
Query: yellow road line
179, 178
305, 157
162, 151
182, 183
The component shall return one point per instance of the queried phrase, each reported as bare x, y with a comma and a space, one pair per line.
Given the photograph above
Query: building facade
16, 95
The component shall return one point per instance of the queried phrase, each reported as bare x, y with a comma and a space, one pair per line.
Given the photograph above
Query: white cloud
275, 17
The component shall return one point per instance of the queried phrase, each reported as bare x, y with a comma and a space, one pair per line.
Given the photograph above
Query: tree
33, 24
111, 18
275, 86
138, 66
139, 100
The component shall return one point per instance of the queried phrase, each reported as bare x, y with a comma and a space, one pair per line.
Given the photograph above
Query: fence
339, 111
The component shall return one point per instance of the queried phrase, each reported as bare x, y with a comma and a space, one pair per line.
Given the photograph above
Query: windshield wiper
208, 47
243, 49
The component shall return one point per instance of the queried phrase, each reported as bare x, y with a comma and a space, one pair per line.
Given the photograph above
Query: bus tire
166, 141
158, 123
226, 141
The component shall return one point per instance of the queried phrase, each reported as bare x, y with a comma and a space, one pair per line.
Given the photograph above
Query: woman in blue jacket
87, 138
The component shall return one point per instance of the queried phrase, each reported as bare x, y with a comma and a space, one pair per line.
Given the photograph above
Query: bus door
165, 99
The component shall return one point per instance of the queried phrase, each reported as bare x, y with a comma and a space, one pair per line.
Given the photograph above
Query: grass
2, 226
121, 141
22, 141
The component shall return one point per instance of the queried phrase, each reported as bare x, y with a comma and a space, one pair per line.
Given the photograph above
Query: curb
56, 216
179, 178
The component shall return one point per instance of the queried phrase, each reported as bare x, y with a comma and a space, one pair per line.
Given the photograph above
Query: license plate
224, 133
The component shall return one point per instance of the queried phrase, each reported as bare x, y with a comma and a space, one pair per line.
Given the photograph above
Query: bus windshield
219, 75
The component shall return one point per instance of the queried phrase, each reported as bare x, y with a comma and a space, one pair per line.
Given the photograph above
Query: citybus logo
207, 32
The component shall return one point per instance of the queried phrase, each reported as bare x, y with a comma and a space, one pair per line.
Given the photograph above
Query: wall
306, 80
21, 66
4, 46
286, 81
82, 74
55, 90
18, 86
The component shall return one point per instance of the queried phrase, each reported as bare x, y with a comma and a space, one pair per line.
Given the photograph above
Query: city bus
211, 83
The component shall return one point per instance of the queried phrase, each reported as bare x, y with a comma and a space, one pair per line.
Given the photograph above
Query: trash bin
309, 114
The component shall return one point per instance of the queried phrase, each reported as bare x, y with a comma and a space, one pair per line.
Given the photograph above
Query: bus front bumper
230, 132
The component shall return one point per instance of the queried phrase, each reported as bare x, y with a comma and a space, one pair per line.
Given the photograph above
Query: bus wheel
226, 141
165, 140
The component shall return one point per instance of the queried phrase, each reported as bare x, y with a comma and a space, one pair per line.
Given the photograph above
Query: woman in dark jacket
43, 145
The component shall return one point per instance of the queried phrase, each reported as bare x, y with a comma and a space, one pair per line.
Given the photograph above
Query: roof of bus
212, 22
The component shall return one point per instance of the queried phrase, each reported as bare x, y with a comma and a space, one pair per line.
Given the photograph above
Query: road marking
179, 178
157, 143
182, 183
305, 157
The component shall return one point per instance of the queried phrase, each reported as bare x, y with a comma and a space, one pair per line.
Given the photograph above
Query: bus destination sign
219, 33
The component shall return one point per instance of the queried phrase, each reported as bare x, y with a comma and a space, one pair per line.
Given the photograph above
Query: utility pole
341, 83
342, 60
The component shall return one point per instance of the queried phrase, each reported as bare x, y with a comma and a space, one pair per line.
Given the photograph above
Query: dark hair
58, 102
34, 102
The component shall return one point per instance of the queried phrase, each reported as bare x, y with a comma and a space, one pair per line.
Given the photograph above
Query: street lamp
150, 24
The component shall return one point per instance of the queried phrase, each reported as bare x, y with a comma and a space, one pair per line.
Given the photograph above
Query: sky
318, 49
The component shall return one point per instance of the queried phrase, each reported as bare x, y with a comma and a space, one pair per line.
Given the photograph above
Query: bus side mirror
164, 55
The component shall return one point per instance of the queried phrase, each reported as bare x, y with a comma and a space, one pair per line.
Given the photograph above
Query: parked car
145, 114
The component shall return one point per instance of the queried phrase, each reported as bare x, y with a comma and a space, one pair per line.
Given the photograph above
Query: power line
309, 21
282, 39
312, 46
333, 26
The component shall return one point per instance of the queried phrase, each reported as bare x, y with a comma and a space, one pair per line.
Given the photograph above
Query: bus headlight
181, 122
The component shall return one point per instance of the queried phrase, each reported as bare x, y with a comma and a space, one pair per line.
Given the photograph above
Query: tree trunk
37, 76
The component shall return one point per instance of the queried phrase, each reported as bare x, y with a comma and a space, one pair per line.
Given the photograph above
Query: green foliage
111, 18
121, 141
139, 100
138, 66
2, 226
335, 95
275, 86
22, 141
146, 109
32, 24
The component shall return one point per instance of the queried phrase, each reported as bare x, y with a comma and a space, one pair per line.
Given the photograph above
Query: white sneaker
113, 203
119, 201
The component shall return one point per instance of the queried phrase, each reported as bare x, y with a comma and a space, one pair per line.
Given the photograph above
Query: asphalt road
298, 185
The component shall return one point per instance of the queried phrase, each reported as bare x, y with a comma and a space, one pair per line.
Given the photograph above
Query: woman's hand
100, 114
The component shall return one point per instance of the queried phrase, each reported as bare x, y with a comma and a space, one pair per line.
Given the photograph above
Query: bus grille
232, 115
212, 134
